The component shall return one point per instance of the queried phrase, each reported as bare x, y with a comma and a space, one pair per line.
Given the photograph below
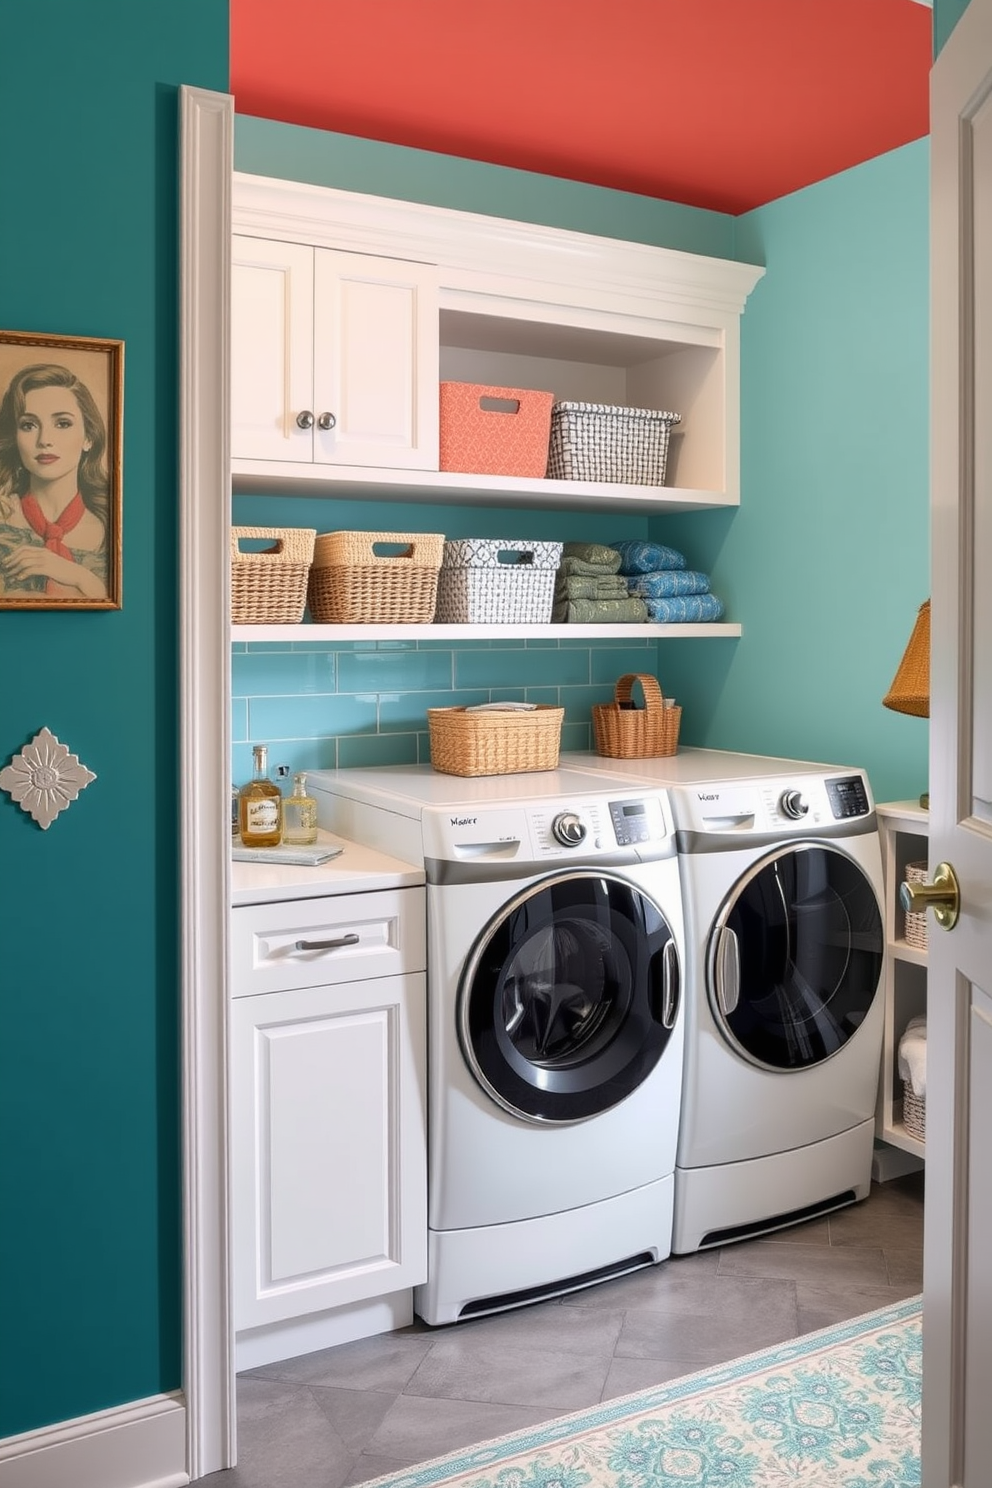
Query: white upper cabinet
352, 308
334, 357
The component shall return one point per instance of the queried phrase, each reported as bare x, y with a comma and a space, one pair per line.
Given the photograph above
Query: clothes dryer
555, 1038
782, 886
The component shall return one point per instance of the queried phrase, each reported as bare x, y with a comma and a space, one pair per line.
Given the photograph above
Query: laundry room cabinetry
330, 353
904, 828
412, 294
328, 1114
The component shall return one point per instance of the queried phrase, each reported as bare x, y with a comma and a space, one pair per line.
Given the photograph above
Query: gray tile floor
351, 1413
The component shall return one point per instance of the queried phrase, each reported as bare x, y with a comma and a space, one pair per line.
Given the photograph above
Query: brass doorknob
943, 896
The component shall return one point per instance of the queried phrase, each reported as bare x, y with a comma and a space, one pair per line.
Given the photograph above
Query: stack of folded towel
661, 577
590, 591
912, 1056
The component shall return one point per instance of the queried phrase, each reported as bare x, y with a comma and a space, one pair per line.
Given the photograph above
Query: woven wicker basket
910, 690
916, 924
477, 743
352, 584
914, 1112
625, 732
269, 587
603, 442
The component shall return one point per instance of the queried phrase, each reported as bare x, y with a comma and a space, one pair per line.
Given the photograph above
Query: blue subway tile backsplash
324, 705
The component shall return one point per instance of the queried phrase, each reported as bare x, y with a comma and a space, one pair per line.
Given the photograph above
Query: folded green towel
583, 568
600, 611
602, 557
603, 586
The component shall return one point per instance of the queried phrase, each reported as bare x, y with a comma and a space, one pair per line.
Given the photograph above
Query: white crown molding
633, 277
142, 1445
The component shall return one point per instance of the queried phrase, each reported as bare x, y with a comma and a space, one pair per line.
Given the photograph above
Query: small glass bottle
299, 814
260, 805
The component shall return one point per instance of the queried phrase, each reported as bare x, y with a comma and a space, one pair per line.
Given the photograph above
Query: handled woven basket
352, 584
626, 732
269, 587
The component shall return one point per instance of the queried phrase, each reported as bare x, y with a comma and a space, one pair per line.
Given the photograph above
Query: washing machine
555, 1021
782, 889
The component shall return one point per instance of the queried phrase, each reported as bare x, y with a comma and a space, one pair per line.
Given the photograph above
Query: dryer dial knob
568, 828
793, 804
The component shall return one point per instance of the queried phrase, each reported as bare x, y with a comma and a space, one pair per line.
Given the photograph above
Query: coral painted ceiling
724, 104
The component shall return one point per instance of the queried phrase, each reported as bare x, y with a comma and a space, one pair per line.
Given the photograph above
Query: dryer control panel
793, 805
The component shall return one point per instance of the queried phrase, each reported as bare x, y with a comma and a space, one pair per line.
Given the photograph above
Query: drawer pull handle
326, 945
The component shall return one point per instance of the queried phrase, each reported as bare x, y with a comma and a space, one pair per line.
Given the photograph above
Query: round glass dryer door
569, 998
795, 957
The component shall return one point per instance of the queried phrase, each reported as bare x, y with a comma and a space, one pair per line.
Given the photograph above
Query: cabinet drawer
319, 942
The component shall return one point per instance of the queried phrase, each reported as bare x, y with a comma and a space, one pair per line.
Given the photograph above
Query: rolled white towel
913, 1056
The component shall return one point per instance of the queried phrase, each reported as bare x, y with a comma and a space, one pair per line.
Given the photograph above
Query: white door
957, 1423
375, 361
271, 350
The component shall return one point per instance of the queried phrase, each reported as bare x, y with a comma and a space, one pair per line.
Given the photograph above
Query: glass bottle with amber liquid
260, 805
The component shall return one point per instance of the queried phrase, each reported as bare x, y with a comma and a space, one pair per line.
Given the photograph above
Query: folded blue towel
670, 581
692, 608
647, 557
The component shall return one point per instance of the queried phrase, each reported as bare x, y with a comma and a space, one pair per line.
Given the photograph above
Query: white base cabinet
328, 1111
904, 827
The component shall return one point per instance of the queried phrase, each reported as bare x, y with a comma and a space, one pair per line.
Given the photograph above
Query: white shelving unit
904, 829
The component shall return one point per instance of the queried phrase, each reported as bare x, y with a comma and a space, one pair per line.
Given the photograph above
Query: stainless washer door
795, 957
569, 997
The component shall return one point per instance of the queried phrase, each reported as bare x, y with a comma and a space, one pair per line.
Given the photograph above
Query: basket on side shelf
916, 924
914, 1112
623, 731
467, 741
269, 585
353, 582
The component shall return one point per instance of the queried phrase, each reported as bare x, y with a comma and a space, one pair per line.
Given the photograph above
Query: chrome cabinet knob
943, 896
326, 421
305, 419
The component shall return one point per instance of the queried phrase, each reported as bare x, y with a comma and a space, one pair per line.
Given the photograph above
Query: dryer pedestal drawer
320, 942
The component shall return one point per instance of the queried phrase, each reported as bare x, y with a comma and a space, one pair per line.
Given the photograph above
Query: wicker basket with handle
474, 742
351, 583
623, 731
269, 586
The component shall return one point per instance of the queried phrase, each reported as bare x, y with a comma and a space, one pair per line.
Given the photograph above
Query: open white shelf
446, 487
307, 632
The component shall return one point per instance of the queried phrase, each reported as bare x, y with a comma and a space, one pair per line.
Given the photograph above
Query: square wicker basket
473, 742
497, 581
352, 583
623, 731
269, 585
607, 442
494, 430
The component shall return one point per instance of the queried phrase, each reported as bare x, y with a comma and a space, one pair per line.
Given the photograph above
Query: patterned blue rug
834, 1409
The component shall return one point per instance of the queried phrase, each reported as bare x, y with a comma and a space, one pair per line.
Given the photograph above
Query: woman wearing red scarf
53, 486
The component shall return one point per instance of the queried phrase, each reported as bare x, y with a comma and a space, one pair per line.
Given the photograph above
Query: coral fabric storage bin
494, 430
496, 581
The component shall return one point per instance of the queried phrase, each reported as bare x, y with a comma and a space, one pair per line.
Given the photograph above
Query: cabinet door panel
329, 1147
376, 361
271, 349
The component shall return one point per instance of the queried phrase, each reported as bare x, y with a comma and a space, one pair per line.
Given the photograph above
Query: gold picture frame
61, 422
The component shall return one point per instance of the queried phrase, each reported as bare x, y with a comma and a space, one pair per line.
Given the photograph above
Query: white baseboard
141, 1445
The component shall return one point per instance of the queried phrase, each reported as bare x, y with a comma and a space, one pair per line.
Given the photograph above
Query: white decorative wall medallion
44, 778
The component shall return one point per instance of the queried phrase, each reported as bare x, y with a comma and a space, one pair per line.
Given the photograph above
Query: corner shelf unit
904, 829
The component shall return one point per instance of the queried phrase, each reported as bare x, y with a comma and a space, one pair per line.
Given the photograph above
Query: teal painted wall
90, 1308
827, 559
946, 14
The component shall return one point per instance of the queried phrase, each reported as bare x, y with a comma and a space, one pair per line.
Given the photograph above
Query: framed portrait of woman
61, 407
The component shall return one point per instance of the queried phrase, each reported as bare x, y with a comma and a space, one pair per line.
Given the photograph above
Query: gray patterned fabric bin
607, 442
496, 581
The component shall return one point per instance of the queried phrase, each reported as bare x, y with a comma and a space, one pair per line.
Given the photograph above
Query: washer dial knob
568, 828
793, 804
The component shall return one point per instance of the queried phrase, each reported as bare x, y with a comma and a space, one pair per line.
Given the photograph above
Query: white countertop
356, 870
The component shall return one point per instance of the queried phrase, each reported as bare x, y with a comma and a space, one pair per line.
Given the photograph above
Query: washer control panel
848, 797
637, 821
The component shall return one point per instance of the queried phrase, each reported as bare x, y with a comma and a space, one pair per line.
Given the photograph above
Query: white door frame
206, 180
